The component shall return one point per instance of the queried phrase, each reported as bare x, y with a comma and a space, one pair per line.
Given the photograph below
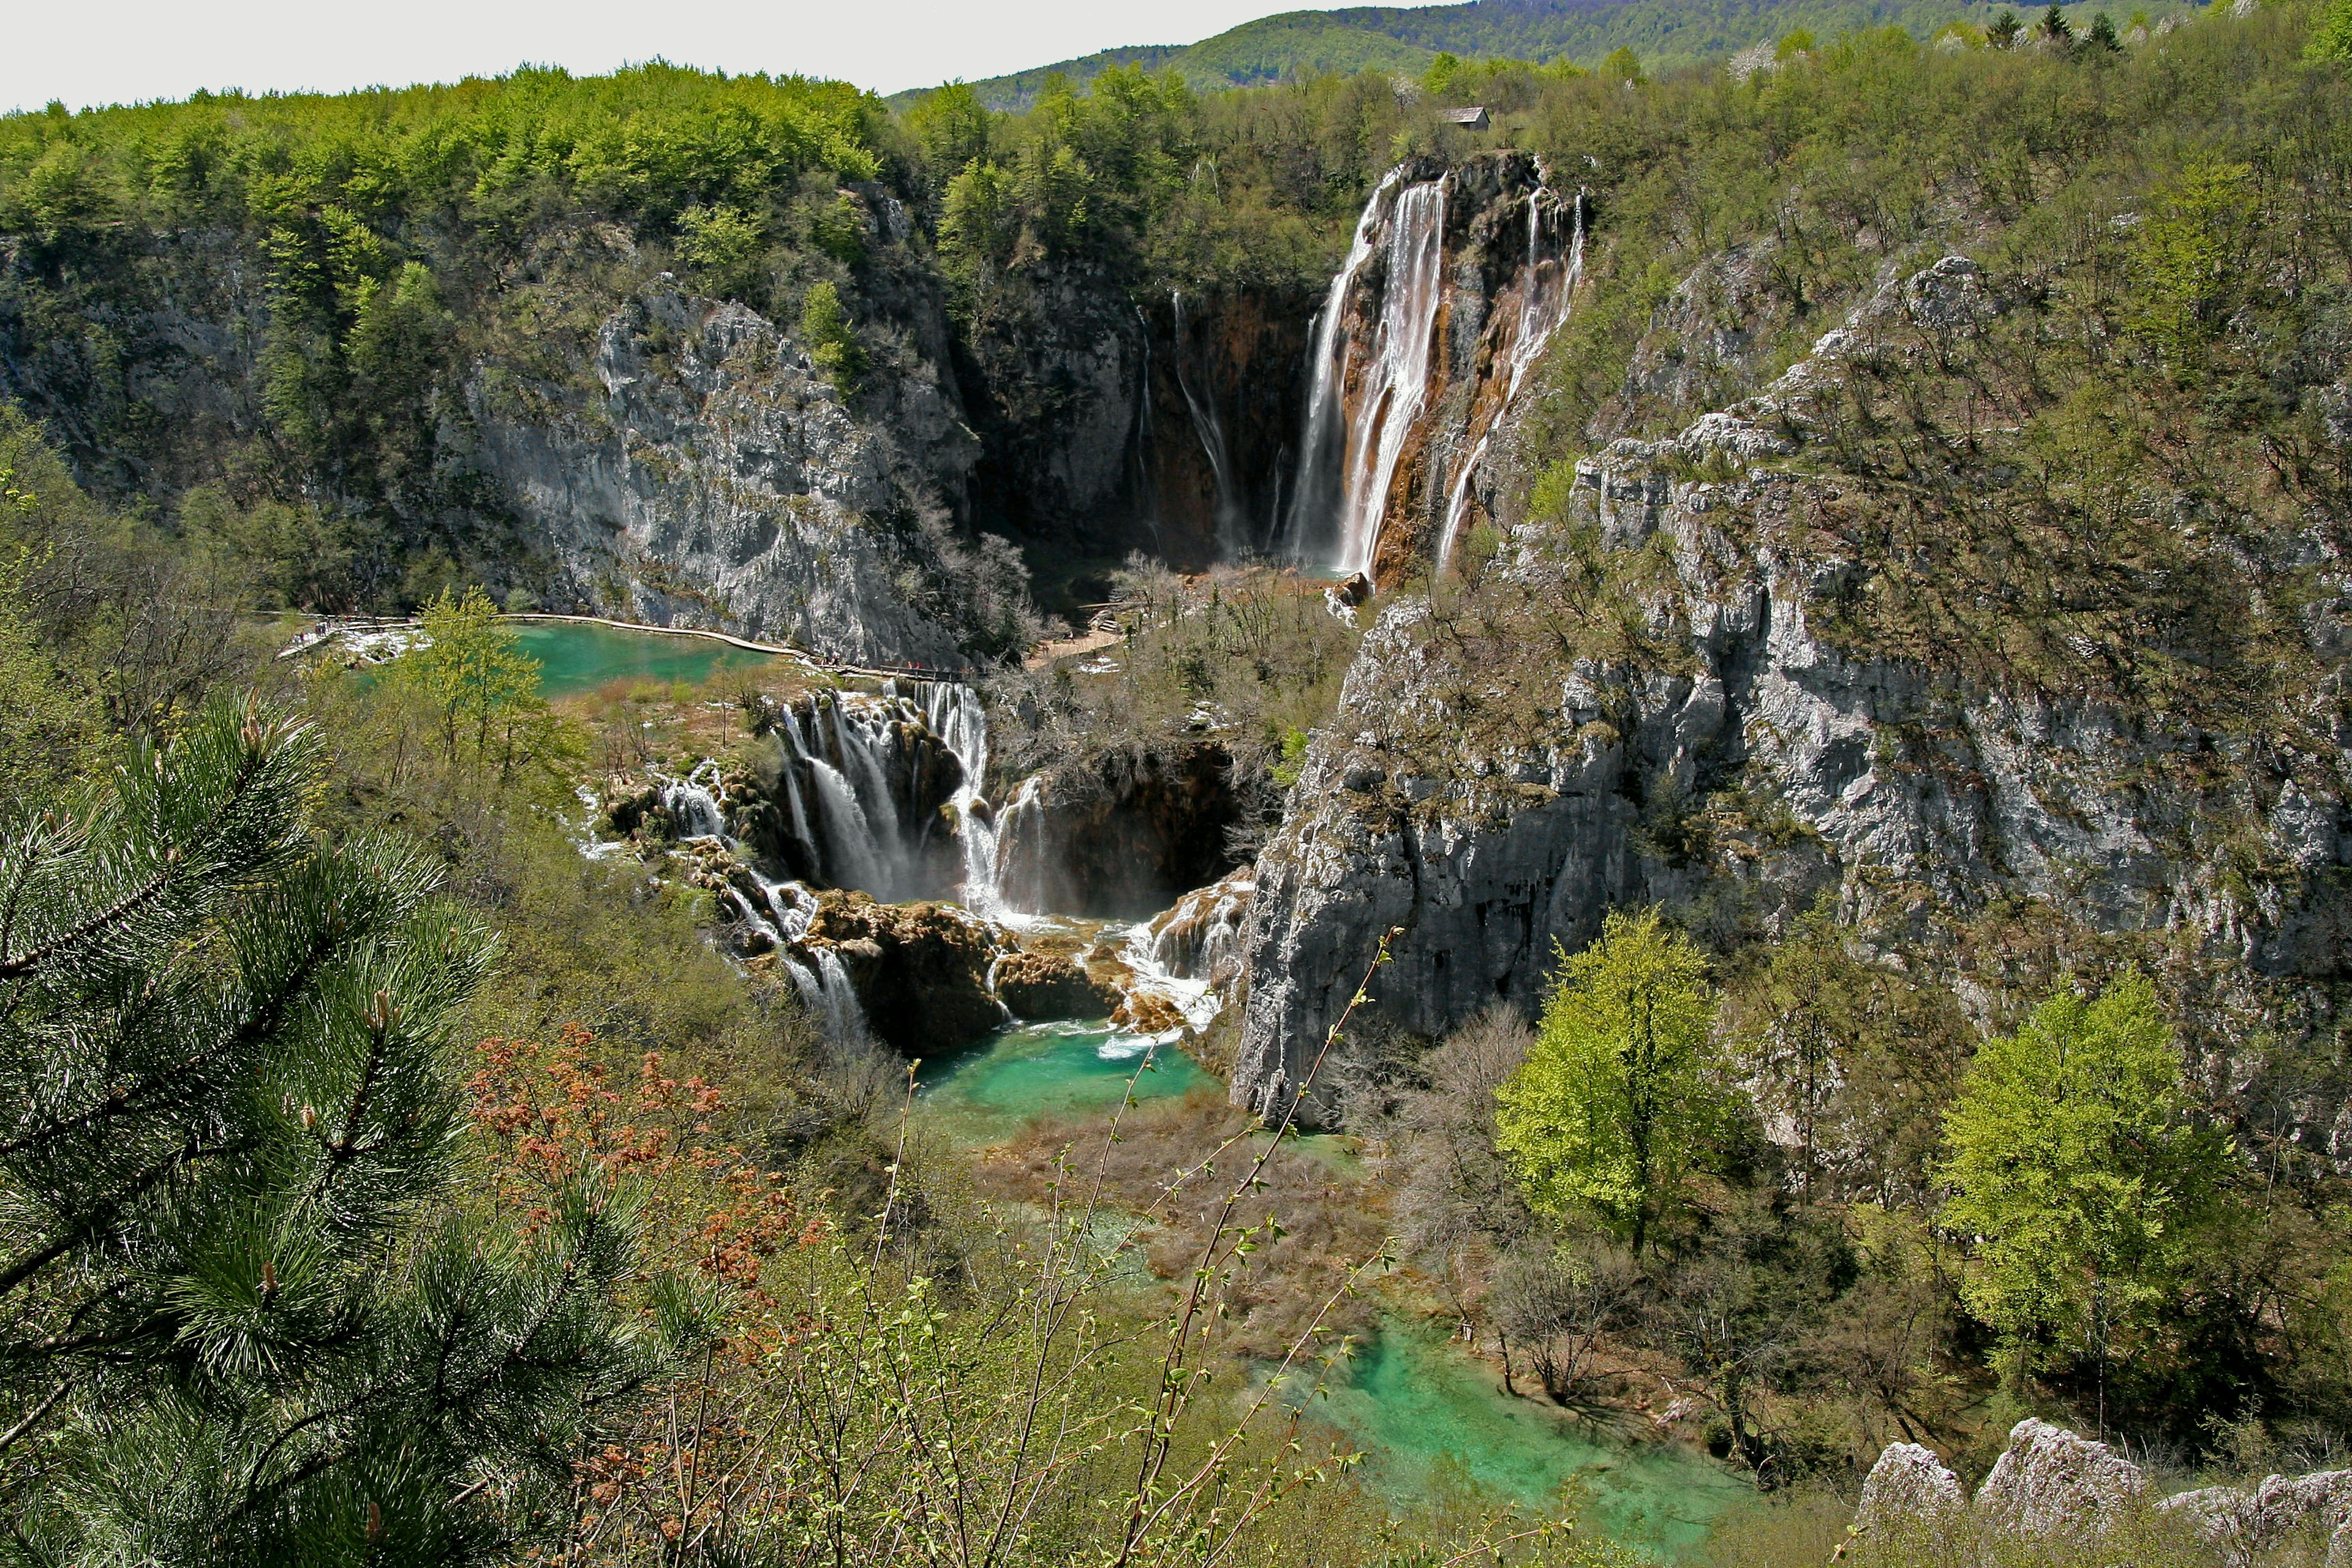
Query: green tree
721, 247
476, 680
2076, 1160
2053, 26
1623, 1089
243, 1320
2331, 34
2190, 258
1622, 65
952, 125
832, 340
2003, 32
2103, 33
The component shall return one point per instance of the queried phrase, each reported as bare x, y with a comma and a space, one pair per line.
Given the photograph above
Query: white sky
117, 51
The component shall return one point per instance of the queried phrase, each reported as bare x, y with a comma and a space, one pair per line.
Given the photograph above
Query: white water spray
1398, 378
1327, 413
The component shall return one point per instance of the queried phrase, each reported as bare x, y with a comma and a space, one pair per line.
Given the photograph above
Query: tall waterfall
1393, 399
1326, 414
1399, 376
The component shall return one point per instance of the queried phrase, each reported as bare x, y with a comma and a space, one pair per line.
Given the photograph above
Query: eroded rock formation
1121, 834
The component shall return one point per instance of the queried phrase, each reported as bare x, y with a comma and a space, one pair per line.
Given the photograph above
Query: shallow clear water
988, 1093
1417, 1405
576, 656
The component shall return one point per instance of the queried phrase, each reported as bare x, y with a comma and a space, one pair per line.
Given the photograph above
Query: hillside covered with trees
1798, 906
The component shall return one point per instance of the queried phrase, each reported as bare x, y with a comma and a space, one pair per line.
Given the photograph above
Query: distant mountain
1664, 33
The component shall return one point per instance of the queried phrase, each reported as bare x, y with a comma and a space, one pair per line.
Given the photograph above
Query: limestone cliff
1691, 688
714, 477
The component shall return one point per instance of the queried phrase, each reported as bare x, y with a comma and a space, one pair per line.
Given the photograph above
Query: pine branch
25, 963
34, 1418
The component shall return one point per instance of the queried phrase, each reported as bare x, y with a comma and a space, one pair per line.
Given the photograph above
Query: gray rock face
1747, 769
1909, 1488
2049, 1483
719, 481
2246, 1523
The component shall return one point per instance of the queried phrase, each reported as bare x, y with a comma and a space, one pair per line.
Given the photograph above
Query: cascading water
1211, 435
1541, 311
1315, 495
1021, 880
1398, 378
693, 805
957, 717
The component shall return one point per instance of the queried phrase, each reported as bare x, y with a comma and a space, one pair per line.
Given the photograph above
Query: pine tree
244, 1318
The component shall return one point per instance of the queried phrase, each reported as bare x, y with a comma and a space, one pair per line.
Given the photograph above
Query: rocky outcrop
716, 478
1909, 1489
1048, 980
2050, 1484
1714, 749
2050, 1487
1119, 835
2247, 1522
920, 970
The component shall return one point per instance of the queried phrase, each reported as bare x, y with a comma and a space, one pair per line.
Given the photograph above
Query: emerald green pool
987, 1094
1418, 1407
577, 656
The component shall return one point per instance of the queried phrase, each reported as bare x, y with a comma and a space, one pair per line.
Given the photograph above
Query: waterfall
1146, 482
1021, 879
1541, 311
845, 1016
693, 804
1398, 378
1213, 439
1327, 413
960, 720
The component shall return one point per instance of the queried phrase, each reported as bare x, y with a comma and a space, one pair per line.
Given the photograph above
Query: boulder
2051, 1482
2246, 1523
1037, 985
1909, 1488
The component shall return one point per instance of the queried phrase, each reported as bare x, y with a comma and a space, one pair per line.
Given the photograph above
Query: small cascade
1020, 851
1213, 439
1326, 415
1206, 929
1398, 378
844, 1015
693, 804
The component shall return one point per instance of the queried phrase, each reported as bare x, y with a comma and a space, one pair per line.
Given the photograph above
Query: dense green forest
1407, 40
384, 1180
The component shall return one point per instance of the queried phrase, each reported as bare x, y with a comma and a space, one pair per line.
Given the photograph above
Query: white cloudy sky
111, 51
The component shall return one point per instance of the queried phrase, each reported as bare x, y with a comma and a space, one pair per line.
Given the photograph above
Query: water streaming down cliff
1312, 496
1546, 295
1454, 283
1203, 407
1390, 398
